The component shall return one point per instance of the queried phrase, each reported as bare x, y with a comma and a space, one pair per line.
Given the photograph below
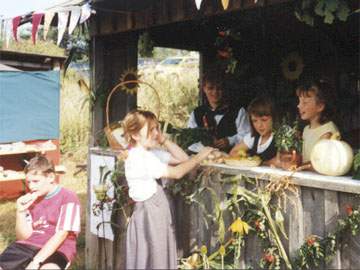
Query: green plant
307, 10
287, 137
187, 136
356, 166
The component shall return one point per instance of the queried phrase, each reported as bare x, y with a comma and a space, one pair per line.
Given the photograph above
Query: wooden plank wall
166, 11
314, 211
110, 57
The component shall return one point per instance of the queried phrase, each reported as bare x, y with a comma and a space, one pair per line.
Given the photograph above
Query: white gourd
332, 156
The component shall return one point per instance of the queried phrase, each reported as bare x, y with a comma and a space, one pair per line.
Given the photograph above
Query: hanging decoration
62, 18
85, 13
225, 4
80, 12
198, 3
15, 23
74, 19
47, 22
292, 66
130, 75
223, 43
36, 19
8, 29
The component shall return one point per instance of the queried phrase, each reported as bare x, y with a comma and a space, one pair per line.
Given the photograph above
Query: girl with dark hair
315, 107
260, 141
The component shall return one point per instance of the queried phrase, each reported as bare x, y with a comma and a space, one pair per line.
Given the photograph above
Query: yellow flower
203, 250
240, 226
222, 250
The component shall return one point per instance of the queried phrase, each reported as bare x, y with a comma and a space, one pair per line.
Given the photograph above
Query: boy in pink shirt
47, 222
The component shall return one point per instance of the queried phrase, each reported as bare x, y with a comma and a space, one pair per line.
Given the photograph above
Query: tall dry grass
74, 115
179, 96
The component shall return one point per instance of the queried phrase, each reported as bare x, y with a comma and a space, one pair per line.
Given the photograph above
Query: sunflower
130, 75
292, 66
239, 226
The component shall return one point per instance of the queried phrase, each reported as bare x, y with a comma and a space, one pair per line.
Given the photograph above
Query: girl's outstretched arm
177, 172
178, 155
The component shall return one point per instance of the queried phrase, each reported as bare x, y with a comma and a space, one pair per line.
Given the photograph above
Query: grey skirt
150, 239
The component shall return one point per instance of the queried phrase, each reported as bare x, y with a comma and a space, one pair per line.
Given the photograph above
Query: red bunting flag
36, 19
15, 25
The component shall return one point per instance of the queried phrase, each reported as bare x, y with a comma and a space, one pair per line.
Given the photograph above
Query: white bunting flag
198, 3
47, 22
62, 23
74, 18
85, 12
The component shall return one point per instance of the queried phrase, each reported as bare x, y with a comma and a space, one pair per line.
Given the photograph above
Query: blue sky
12, 8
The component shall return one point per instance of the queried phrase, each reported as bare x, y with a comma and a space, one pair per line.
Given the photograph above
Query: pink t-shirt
59, 211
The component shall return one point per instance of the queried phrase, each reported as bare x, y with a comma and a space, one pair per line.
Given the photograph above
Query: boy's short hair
40, 164
214, 77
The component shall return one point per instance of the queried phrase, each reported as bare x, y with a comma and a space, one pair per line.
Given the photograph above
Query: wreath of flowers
225, 53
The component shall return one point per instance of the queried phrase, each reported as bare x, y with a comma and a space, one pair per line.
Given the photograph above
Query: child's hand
33, 265
161, 138
221, 143
24, 202
205, 152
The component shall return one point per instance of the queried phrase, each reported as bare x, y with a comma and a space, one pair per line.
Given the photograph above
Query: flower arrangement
223, 44
287, 137
102, 188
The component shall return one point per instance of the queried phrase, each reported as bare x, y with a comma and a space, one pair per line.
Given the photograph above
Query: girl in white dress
151, 242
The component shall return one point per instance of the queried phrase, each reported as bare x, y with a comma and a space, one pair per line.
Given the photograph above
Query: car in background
83, 68
146, 66
175, 65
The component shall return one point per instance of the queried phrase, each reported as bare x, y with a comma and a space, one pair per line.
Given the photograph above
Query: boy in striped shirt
47, 222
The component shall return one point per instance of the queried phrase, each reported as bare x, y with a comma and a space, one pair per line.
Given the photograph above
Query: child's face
148, 135
262, 124
40, 182
309, 107
213, 93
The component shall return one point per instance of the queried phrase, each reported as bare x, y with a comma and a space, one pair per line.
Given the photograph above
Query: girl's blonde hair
134, 121
261, 106
40, 164
324, 94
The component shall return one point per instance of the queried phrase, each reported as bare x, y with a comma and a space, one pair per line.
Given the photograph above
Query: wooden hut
270, 35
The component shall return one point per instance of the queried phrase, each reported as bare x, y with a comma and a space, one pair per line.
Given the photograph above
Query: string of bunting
69, 15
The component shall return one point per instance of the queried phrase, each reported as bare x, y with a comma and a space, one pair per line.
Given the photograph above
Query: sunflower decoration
130, 75
292, 66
